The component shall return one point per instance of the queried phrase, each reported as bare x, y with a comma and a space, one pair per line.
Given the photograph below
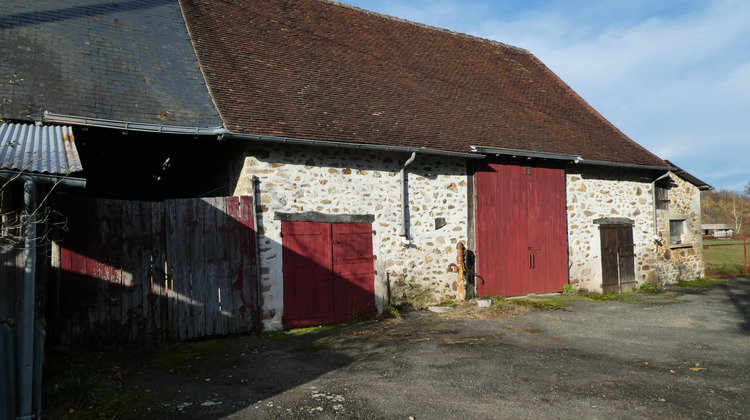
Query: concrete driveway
683, 354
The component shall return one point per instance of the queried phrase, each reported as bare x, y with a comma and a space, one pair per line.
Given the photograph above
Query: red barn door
328, 272
521, 230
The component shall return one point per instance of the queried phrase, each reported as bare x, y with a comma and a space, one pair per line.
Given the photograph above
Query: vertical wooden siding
618, 258
328, 272
521, 230
140, 273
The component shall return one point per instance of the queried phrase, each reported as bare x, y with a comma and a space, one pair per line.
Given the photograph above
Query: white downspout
405, 200
657, 239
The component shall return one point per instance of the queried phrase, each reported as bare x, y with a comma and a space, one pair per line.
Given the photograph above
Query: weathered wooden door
328, 272
521, 231
140, 273
618, 257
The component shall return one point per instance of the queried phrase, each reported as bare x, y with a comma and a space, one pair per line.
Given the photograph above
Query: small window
676, 229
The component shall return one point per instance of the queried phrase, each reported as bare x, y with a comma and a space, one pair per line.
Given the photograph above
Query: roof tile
325, 71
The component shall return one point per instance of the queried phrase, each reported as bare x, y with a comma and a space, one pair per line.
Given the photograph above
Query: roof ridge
426, 26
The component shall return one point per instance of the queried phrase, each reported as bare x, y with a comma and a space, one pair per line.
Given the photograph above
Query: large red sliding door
521, 231
328, 272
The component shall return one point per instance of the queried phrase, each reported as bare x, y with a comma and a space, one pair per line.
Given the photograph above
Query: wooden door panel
609, 259
618, 258
521, 230
547, 230
354, 281
502, 254
307, 268
626, 257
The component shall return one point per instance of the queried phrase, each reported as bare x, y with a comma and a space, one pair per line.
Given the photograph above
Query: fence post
744, 249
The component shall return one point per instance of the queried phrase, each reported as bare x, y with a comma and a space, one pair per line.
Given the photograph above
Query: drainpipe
405, 199
657, 239
26, 330
256, 238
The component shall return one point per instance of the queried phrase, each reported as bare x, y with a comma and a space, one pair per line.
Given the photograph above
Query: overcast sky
674, 75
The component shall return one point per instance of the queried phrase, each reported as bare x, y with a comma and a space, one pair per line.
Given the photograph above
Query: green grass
298, 331
608, 297
543, 303
723, 257
700, 283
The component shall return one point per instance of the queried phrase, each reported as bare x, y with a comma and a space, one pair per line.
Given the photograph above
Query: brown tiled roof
320, 70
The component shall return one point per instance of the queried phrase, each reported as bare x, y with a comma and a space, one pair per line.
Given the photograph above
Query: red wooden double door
328, 272
521, 230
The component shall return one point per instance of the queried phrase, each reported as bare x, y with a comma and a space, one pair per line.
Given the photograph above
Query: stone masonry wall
680, 261
296, 179
598, 193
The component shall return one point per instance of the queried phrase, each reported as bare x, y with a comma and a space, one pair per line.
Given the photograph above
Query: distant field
724, 257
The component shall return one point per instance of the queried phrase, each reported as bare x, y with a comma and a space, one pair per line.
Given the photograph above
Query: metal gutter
130, 126
43, 178
356, 146
525, 153
627, 165
561, 156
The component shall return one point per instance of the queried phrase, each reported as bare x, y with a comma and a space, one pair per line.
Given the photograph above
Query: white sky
674, 75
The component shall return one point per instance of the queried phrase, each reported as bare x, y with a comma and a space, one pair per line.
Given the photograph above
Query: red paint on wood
354, 282
114, 288
521, 231
328, 272
308, 275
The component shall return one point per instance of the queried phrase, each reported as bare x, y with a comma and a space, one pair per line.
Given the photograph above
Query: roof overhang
223, 133
356, 146
628, 165
525, 153
702, 186
131, 126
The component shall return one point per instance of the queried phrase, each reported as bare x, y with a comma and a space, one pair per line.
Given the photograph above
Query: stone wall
684, 260
594, 193
297, 179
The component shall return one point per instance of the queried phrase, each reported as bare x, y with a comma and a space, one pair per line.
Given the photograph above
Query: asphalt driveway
677, 354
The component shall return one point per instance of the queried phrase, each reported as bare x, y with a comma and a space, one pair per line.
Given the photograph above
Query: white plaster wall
340, 181
596, 193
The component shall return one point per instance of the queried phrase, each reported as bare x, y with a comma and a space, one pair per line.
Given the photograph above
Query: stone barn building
390, 162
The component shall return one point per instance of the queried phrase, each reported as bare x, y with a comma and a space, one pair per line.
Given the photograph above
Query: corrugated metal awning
41, 149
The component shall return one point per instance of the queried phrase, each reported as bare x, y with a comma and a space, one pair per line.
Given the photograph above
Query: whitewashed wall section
341, 181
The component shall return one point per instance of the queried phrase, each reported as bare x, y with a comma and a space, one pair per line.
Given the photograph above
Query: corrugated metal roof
40, 149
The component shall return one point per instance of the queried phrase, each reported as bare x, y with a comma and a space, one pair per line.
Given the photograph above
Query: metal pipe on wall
405, 198
26, 342
657, 239
259, 290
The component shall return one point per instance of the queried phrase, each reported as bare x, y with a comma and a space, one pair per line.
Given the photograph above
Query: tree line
727, 207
